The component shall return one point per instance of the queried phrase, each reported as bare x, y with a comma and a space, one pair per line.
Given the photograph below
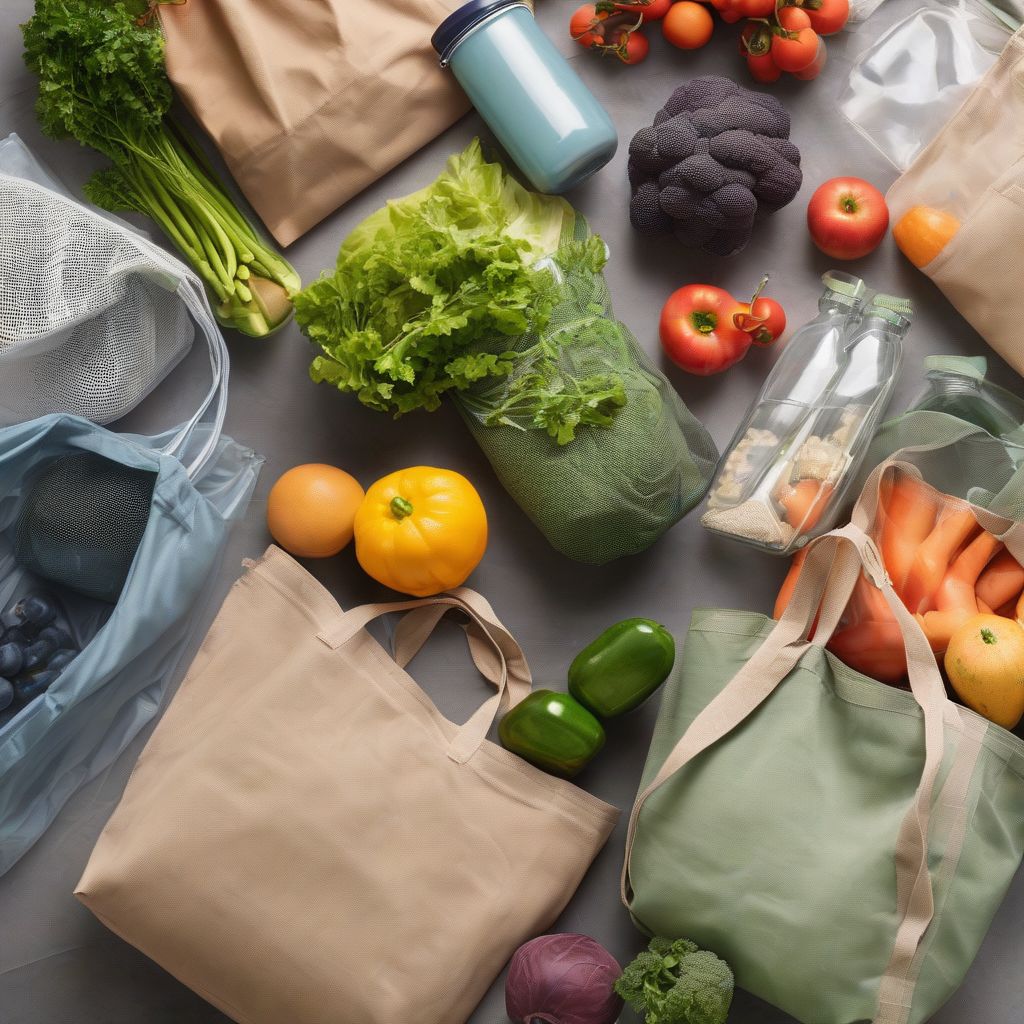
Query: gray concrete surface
57, 964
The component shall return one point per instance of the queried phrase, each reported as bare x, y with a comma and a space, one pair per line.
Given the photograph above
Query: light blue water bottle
536, 105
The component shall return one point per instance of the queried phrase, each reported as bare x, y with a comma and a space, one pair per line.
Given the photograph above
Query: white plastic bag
911, 80
92, 314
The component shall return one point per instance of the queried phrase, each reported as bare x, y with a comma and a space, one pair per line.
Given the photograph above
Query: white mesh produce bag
92, 314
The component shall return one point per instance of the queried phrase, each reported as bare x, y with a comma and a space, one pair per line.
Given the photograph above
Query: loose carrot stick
957, 587
1002, 580
939, 626
933, 557
874, 648
789, 583
908, 515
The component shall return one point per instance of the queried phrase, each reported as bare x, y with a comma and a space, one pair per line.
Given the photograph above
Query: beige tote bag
307, 840
974, 169
310, 101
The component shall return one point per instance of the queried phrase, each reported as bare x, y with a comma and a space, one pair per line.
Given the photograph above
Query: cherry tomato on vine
829, 16
795, 49
794, 18
631, 47
653, 11
765, 323
756, 8
697, 330
763, 68
815, 67
582, 25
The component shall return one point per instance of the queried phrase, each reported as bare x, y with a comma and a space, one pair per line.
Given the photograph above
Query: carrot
867, 604
987, 609
933, 556
804, 503
939, 626
874, 648
957, 587
908, 515
1002, 580
1006, 611
789, 583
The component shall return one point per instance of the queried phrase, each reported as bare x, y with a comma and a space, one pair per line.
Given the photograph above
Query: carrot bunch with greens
944, 567
102, 81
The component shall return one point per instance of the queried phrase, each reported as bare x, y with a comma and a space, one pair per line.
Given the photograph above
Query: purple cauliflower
717, 158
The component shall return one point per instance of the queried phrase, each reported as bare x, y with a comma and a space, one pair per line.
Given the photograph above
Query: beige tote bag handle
495, 653
830, 573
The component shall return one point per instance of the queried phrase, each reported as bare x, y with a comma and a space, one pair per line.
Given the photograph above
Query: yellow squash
985, 665
421, 530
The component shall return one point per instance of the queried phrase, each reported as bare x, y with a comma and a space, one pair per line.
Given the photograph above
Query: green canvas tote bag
843, 844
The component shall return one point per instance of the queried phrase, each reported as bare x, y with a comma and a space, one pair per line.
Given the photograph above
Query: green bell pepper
621, 668
552, 731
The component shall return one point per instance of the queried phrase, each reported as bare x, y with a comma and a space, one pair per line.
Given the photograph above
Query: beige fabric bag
311, 102
974, 169
307, 840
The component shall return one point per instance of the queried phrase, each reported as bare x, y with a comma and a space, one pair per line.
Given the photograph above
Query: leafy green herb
425, 291
676, 982
102, 81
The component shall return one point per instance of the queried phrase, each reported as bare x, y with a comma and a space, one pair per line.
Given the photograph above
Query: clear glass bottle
737, 502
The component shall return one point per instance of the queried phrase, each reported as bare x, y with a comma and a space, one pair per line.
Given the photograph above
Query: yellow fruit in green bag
985, 665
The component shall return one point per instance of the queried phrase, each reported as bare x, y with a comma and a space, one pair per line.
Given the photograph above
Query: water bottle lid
896, 310
846, 286
464, 20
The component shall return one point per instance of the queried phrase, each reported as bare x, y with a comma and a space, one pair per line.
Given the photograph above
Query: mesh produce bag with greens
476, 287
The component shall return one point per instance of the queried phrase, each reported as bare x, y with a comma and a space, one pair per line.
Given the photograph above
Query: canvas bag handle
831, 573
495, 653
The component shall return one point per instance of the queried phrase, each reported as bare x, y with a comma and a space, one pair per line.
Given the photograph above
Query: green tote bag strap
831, 570
496, 654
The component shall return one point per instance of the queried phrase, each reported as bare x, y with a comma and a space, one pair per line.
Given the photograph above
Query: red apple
847, 218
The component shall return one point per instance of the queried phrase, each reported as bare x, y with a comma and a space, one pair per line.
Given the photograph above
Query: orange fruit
985, 665
923, 232
688, 25
311, 510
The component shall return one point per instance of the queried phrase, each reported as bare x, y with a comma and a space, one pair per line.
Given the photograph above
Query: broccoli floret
676, 982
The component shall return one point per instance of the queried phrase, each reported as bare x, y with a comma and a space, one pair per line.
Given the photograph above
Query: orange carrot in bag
933, 557
957, 587
907, 515
939, 626
1002, 581
789, 583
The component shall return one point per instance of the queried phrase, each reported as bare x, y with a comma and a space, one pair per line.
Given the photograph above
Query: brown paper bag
310, 101
307, 840
974, 169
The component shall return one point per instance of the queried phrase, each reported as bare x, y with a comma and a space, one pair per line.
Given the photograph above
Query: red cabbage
563, 979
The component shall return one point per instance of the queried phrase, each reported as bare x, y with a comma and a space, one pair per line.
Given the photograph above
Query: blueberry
6, 693
12, 657
61, 659
58, 636
17, 635
36, 654
28, 687
37, 609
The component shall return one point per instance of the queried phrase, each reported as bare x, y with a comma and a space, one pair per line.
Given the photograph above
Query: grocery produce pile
485, 290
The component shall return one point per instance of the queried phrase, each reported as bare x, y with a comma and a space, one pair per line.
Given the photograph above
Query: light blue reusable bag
129, 651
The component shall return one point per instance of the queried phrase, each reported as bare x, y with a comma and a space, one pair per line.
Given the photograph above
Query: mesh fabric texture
717, 157
90, 323
611, 491
81, 523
